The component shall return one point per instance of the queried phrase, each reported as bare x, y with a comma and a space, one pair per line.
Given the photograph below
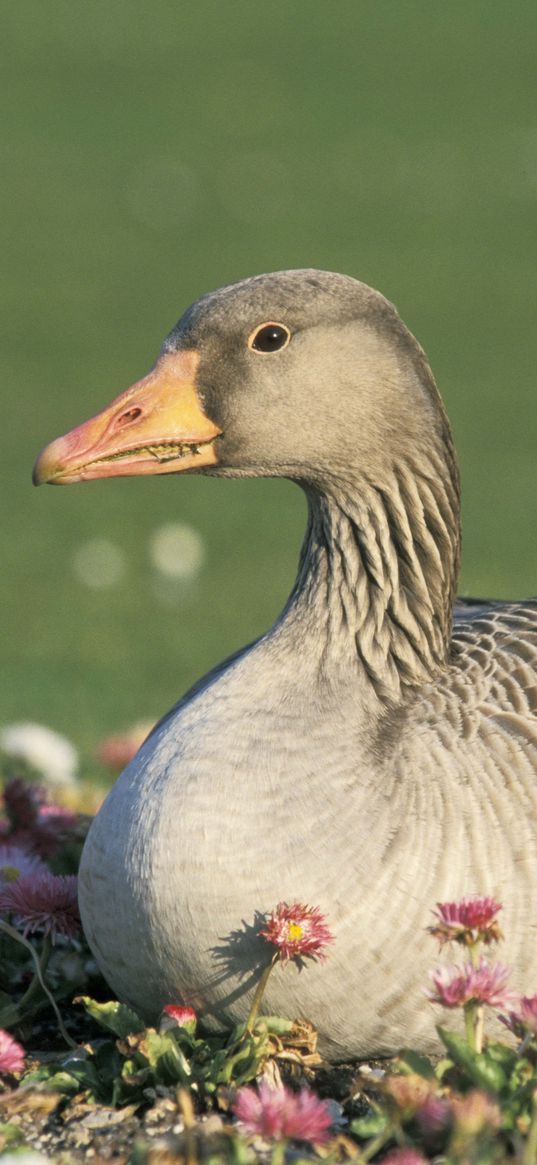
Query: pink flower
11, 1054
43, 901
16, 862
54, 824
409, 1091
404, 1156
523, 1019
297, 930
33, 824
22, 801
475, 1112
279, 1113
177, 1015
116, 751
469, 921
433, 1116
456, 986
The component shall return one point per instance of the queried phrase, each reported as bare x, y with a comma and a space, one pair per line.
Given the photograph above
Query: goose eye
269, 338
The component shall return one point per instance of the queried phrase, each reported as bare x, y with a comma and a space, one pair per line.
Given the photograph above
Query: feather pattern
376, 750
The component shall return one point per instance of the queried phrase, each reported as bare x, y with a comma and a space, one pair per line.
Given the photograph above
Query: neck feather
378, 572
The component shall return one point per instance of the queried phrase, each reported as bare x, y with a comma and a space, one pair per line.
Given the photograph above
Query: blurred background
157, 150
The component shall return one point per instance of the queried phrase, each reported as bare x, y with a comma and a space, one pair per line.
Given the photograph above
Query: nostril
129, 416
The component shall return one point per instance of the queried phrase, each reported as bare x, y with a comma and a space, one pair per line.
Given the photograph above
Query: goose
376, 750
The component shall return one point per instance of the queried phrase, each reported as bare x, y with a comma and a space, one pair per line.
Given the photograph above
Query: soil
71, 1130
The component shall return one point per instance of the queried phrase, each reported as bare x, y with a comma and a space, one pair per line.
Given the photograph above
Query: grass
154, 152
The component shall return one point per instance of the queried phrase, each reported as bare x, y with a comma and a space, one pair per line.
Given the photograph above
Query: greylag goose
370, 754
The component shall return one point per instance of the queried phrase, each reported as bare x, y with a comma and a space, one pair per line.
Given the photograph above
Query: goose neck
376, 581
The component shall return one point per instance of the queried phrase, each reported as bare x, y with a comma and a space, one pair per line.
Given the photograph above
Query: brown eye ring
269, 337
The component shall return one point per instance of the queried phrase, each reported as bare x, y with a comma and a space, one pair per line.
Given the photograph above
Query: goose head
312, 376
303, 374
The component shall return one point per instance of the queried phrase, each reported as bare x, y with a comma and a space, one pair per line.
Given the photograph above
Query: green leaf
134, 1076
108, 1062
85, 1072
442, 1067
484, 1072
236, 1034
10, 1135
275, 1024
523, 1075
115, 1017
416, 1063
461, 1054
370, 1125
5, 999
489, 1075
158, 1057
57, 1081
232, 1068
242, 1070
502, 1054
9, 1015
168, 1059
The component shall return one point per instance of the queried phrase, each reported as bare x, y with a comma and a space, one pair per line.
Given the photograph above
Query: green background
155, 150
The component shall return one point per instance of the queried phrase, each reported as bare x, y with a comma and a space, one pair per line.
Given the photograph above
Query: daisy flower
16, 862
177, 1015
522, 1020
11, 1054
279, 1114
456, 986
476, 1112
43, 901
404, 1156
34, 824
468, 921
297, 930
23, 801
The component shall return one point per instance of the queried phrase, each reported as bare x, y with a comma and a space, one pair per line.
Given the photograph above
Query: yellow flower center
294, 931
10, 873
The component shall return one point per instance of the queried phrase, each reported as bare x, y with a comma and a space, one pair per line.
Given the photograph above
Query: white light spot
177, 551
98, 563
45, 750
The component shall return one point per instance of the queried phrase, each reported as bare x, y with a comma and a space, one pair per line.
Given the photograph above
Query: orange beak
157, 426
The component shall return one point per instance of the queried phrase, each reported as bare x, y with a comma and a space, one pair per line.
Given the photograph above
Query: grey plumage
359, 756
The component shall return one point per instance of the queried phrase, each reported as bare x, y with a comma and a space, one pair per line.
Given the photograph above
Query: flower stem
529, 1156
479, 1024
524, 1045
28, 996
259, 992
19, 938
377, 1144
278, 1153
184, 1103
474, 953
469, 1013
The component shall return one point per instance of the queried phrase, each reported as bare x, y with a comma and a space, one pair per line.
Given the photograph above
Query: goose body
376, 750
